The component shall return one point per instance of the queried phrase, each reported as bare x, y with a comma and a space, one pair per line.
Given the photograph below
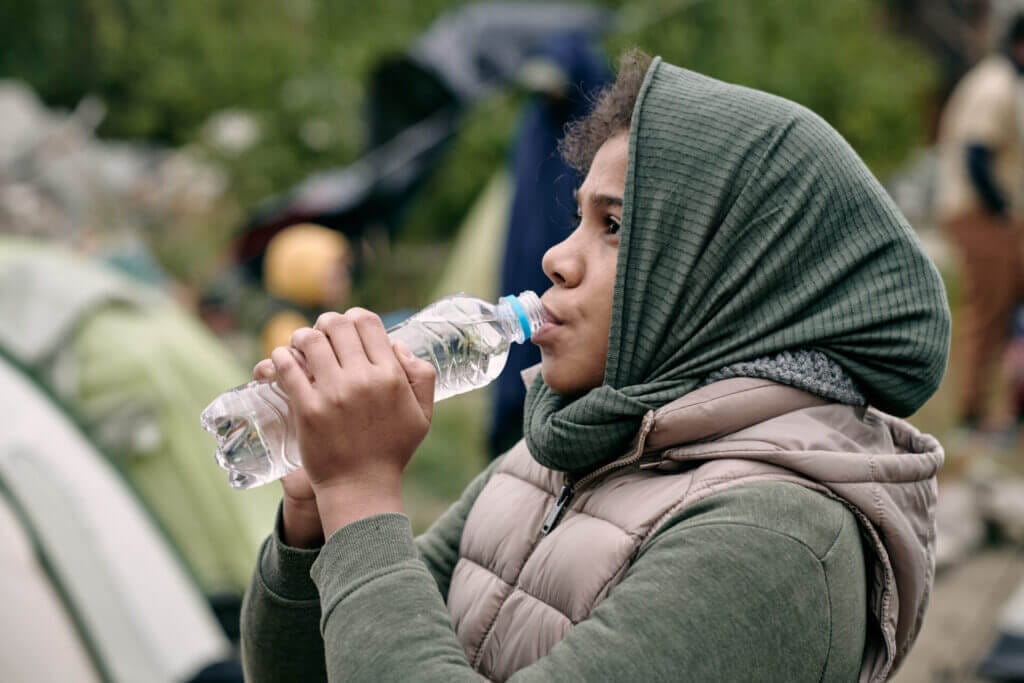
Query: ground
962, 621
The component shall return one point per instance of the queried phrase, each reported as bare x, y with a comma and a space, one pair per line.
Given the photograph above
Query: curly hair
611, 114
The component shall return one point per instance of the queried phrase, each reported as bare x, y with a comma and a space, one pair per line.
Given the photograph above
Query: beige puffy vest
517, 590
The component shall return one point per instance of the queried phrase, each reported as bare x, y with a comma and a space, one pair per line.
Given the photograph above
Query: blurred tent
91, 589
416, 102
473, 265
136, 371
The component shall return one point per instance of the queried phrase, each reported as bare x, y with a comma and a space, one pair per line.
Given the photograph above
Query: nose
563, 263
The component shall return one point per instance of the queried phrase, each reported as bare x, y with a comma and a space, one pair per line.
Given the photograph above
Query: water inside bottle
468, 347
251, 426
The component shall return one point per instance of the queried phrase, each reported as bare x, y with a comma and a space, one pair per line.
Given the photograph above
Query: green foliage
164, 68
835, 57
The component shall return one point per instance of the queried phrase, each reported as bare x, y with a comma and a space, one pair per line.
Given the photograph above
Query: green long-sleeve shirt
762, 582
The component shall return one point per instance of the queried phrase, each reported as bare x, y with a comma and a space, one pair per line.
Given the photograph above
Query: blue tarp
543, 208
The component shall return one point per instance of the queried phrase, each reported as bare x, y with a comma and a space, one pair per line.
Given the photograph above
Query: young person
708, 488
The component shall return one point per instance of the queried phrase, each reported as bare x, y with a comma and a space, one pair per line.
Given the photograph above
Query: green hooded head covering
749, 227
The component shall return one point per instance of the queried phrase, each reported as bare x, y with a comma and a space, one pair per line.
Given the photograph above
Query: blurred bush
297, 70
165, 68
838, 58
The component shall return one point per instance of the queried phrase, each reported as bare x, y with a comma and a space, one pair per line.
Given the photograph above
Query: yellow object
301, 261
278, 330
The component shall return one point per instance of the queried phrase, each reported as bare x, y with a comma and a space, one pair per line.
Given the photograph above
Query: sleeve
708, 599
280, 619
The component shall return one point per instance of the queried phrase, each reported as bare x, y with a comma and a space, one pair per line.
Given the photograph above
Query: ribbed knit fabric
811, 371
750, 227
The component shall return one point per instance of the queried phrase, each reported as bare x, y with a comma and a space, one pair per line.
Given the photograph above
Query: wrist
343, 502
300, 524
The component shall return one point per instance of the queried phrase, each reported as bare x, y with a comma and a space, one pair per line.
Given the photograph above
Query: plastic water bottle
466, 339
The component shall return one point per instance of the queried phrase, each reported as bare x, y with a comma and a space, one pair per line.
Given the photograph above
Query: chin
563, 380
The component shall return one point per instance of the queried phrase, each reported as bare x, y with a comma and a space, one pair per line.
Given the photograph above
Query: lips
552, 316
553, 323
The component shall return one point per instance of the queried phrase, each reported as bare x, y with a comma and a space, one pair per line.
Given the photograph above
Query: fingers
358, 336
316, 349
290, 376
421, 376
374, 338
344, 338
264, 371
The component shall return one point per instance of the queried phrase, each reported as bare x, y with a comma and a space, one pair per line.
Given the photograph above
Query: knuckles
304, 336
426, 369
391, 379
329, 321
362, 316
280, 356
264, 369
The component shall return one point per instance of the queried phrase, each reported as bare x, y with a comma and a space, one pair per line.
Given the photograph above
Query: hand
301, 527
361, 411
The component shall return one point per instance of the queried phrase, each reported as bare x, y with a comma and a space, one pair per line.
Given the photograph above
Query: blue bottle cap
517, 307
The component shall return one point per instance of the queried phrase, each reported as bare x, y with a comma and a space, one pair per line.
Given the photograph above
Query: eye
612, 224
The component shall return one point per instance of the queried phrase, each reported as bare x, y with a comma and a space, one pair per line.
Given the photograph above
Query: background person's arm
986, 125
980, 160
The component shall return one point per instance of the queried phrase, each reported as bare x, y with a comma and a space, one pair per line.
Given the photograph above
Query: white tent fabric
138, 609
39, 641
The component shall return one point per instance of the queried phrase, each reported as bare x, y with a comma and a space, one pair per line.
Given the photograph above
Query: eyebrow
599, 199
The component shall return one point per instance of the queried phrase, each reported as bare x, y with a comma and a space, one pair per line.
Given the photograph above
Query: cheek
603, 300
578, 365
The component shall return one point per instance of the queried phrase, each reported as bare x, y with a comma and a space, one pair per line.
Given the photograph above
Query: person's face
574, 347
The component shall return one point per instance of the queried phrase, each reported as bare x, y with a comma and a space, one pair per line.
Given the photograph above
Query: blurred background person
306, 271
981, 203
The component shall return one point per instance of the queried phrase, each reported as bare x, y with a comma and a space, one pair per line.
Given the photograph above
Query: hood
881, 467
749, 228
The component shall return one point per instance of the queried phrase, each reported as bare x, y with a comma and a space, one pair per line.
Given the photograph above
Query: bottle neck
521, 315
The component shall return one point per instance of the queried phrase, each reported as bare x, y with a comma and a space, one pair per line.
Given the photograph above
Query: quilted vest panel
515, 593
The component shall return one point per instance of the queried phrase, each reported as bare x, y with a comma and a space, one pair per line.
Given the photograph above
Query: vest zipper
570, 488
555, 515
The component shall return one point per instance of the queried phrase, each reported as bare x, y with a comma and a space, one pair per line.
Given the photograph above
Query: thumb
421, 376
